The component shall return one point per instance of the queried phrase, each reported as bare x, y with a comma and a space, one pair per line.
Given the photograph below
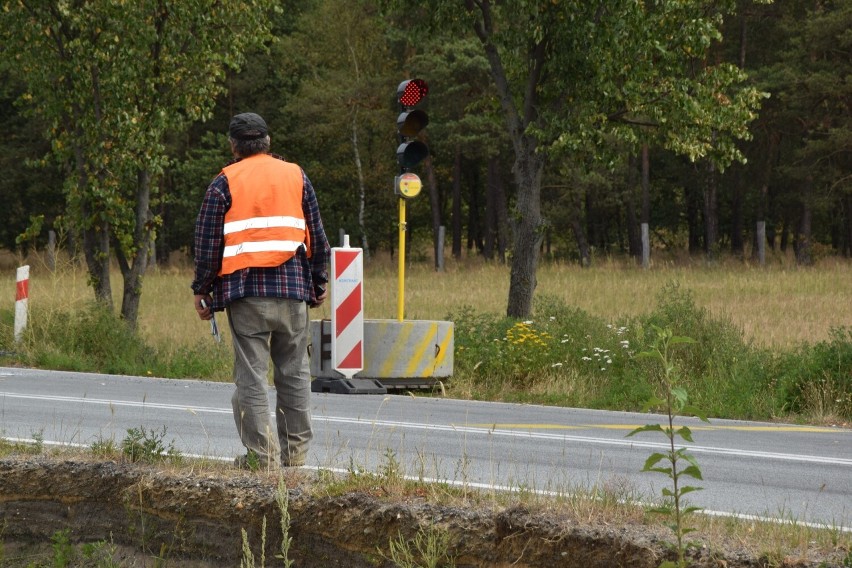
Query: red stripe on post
22, 290
342, 260
353, 360
348, 309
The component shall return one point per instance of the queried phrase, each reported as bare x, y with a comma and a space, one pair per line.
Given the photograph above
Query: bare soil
178, 517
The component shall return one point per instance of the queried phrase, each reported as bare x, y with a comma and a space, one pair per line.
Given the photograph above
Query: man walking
261, 254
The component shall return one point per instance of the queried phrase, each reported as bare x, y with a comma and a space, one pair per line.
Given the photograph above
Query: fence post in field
646, 246
761, 242
22, 293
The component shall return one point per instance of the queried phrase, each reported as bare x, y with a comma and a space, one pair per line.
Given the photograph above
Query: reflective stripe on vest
265, 224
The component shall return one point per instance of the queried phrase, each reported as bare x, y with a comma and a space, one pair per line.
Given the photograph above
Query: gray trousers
276, 328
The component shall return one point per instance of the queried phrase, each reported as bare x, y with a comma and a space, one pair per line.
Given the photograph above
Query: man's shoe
293, 462
249, 461
252, 462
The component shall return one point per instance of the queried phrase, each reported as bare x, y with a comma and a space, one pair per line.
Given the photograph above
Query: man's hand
320, 299
204, 312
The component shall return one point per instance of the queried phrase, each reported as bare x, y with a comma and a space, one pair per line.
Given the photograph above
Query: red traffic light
411, 92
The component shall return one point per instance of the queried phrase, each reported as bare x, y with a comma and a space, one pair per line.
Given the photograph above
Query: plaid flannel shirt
300, 278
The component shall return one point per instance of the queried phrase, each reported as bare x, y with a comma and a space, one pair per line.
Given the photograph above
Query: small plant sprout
674, 403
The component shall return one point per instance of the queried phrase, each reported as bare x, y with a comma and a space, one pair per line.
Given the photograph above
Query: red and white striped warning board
22, 295
347, 309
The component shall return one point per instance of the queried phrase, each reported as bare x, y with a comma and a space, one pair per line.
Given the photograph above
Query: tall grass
771, 340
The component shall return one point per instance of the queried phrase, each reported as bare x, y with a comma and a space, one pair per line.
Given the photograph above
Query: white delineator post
22, 294
347, 309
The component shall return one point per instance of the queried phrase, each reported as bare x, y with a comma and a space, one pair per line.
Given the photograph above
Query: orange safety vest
265, 225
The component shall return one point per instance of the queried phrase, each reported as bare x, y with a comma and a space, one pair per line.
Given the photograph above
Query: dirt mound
195, 519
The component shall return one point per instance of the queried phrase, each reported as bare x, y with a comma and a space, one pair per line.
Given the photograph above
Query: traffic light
410, 122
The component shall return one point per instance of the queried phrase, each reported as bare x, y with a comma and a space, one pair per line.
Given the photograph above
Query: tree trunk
785, 233
634, 244
846, 238
474, 221
96, 249
528, 165
711, 212
527, 232
456, 221
646, 206
490, 211
595, 214
804, 252
435, 205
737, 225
766, 177
580, 233
502, 207
693, 216
359, 172
135, 269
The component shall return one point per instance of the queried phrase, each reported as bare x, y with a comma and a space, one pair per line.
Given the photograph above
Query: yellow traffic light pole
407, 186
400, 310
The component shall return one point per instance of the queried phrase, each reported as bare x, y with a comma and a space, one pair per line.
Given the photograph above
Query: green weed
248, 558
428, 549
816, 380
148, 446
674, 402
63, 550
101, 554
102, 448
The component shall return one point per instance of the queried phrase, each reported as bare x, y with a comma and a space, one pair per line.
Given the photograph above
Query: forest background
557, 130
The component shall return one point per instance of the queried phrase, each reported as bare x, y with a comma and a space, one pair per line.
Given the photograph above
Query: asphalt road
793, 473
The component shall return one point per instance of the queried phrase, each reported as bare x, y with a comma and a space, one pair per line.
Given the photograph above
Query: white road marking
460, 428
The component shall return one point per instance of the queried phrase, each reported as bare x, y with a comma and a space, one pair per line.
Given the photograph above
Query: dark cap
247, 126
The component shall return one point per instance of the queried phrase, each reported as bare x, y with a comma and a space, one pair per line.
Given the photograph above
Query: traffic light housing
410, 122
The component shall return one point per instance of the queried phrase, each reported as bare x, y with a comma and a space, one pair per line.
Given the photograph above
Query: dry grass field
779, 305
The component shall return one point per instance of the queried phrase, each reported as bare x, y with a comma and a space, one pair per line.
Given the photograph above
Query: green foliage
428, 549
63, 550
101, 554
817, 379
91, 339
499, 351
390, 469
674, 402
727, 375
148, 446
94, 339
591, 361
104, 449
